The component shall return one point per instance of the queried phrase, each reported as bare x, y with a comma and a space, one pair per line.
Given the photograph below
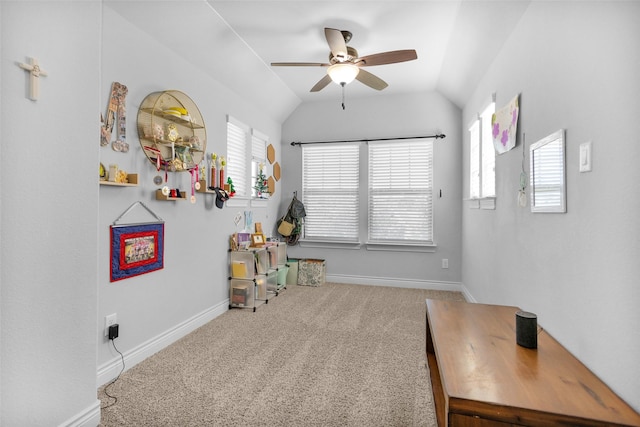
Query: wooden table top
479, 360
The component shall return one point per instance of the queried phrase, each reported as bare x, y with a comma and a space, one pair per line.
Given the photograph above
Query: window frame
482, 160
410, 184
257, 158
247, 199
363, 215
347, 186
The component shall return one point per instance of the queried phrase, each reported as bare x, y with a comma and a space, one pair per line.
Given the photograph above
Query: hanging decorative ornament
173, 155
522, 195
166, 174
115, 109
197, 183
157, 180
192, 199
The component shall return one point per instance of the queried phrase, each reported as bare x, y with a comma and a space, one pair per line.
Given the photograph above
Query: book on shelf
260, 267
239, 295
239, 269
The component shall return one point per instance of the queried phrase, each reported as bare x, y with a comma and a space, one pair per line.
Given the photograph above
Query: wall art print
504, 126
136, 249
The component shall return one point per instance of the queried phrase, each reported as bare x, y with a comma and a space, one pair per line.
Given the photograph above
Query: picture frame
136, 249
257, 240
244, 240
184, 154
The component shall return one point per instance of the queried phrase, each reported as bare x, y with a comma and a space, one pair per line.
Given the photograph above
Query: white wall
1, 224
383, 116
576, 66
157, 308
54, 217
48, 217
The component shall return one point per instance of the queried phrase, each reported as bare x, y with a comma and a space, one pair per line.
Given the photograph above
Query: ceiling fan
345, 65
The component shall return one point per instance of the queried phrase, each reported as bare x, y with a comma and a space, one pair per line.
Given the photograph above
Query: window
258, 158
400, 191
482, 157
395, 189
237, 137
488, 165
474, 160
330, 186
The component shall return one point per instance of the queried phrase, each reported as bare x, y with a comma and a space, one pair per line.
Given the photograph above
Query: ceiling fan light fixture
343, 73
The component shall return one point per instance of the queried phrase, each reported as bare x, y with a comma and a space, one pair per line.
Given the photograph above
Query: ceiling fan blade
321, 84
370, 80
299, 64
336, 43
387, 58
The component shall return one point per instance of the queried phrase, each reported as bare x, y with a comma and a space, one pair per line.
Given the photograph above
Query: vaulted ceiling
237, 40
455, 40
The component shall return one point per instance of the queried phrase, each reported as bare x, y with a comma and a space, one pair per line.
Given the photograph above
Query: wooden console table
481, 377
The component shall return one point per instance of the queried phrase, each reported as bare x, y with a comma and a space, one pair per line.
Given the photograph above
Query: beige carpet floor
335, 355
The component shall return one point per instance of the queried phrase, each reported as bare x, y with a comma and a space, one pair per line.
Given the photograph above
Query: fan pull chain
342, 84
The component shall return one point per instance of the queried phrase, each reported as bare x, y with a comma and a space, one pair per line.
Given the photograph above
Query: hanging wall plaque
136, 248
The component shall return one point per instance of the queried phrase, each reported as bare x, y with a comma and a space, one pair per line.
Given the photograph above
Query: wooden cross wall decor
35, 72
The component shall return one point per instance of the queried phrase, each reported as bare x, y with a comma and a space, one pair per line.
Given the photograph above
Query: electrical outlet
113, 332
109, 320
445, 263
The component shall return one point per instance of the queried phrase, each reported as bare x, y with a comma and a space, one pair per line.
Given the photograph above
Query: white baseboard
111, 369
396, 283
467, 295
90, 417
403, 283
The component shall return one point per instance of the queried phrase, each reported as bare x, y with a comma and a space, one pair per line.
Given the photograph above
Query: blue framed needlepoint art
136, 249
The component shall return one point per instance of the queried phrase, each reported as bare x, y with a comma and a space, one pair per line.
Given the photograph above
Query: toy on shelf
231, 189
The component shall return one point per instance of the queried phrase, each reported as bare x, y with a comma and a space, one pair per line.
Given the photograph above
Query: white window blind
237, 137
330, 188
258, 146
548, 181
400, 191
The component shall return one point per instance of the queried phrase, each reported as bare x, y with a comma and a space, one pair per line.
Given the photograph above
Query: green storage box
292, 274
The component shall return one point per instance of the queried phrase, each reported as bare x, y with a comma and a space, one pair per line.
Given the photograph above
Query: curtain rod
437, 136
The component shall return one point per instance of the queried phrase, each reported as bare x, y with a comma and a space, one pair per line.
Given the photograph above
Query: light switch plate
585, 157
